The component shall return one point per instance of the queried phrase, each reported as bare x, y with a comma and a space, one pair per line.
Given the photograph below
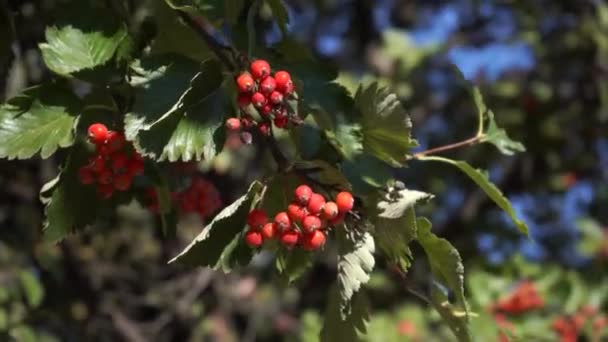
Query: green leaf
219, 240
23, 333
322, 172
280, 14
279, 192
355, 263
336, 326
41, 119
482, 180
447, 268
32, 288
498, 137
396, 226
386, 127
72, 206
84, 43
347, 137
366, 173
292, 264
184, 123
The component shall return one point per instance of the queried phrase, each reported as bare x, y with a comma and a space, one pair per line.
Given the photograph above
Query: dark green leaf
355, 263
7, 31
386, 127
347, 137
232, 10
84, 43
482, 180
280, 193
41, 120
336, 327
216, 242
366, 173
33, 290
280, 14
498, 137
322, 172
292, 264
448, 270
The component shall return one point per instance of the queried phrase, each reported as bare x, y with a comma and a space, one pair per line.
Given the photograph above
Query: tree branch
468, 142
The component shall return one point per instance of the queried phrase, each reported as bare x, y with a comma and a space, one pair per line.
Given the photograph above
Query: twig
468, 142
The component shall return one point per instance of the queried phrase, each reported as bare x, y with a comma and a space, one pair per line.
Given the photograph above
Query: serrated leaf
482, 180
498, 137
366, 173
279, 192
355, 263
292, 264
185, 124
322, 172
385, 124
32, 289
347, 137
448, 270
216, 242
84, 43
41, 119
279, 13
395, 225
336, 327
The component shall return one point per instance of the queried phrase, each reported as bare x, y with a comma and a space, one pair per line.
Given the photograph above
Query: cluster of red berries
524, 298
113, 166
569, 327
267, 93
304, 223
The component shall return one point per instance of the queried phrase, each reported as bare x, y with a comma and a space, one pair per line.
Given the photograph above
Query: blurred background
543, 69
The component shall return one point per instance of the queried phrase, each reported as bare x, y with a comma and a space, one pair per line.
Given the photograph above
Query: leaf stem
468, 142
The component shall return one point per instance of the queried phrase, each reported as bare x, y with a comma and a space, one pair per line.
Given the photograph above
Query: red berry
599, 323
247, 121
253, 238
311, 223
283, 221
258, 99
86, 175
105, 177
104, 149
105, 191
269, 231
187, 206
266, 110
268, 85
276, 98
283, 78
260, 69
303, 194
315, 204
289, 88
244, 100
314, 240
135, 166
256, 219
296, 212
119, 161
280, 121
338, 219
289, 238
233, 124
345, 202
116, 141
98, 164
264, 128
122, 182
98, 133
330, 211
245, 83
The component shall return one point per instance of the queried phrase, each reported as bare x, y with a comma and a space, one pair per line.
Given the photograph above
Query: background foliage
540, 65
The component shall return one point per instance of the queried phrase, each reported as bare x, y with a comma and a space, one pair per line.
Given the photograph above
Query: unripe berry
345, 202
296, 212
98, 133
98, 164
233, 124
256, 219
122, 182
253, 238
283, 78
244, 100
135, 166
283, 221
266, 110
269, 230
311, 223
276, 98
119, 161
330, 211
264, 128
290, 238
86, 175
105, 191
280, 121
315, 204
303, 194
260, 69
245, 83
116, 141
313, 241
268, 85
246, 138
258, 99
